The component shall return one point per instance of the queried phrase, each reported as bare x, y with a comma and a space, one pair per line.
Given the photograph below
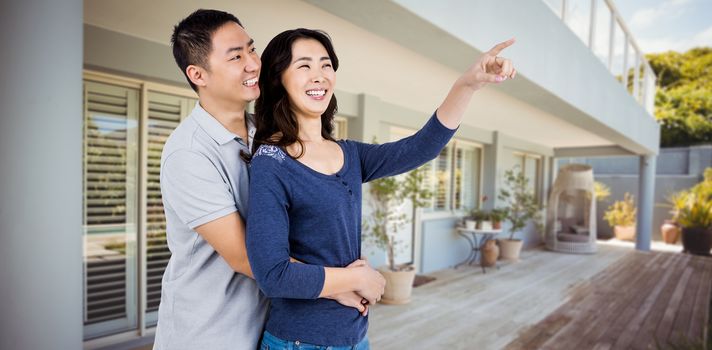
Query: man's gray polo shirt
204, 303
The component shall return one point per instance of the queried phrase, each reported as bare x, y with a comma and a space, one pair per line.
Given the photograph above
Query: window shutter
340, 131
164, 114
110, 131
442, 179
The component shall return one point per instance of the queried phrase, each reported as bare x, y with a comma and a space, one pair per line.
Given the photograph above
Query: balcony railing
599, 25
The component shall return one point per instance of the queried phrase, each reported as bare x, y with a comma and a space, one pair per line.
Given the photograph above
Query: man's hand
352, 299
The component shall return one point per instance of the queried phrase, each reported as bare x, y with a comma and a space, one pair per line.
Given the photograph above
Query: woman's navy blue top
316, 218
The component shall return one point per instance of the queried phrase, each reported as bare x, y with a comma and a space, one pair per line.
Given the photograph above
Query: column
41, 175
646, 197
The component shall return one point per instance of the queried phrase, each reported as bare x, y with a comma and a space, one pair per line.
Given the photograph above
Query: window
126, 123
340, 130
467, 165
530, 165
110, 207
454, 177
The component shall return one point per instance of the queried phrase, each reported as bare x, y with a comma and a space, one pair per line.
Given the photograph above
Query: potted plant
470, 222
479, 216
670, 231
621, 217
387, 196
692, 209
601, 191
486, 223
521, 207
497, 215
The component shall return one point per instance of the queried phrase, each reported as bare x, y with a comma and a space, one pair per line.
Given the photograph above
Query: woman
302, 180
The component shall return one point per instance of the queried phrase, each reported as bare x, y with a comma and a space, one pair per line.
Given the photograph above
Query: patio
617, 298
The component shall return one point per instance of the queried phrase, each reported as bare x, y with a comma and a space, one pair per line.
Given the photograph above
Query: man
209, 299
204, 303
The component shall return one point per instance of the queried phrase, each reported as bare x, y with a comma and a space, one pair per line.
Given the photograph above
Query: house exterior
96, 86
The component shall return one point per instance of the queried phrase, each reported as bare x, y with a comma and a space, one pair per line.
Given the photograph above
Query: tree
683, 102
386, 199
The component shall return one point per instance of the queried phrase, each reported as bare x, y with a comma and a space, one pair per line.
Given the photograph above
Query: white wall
370, 63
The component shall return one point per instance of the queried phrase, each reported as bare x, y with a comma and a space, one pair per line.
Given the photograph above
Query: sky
662, 25
656, 25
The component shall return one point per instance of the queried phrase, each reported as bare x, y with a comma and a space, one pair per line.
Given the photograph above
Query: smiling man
208, 298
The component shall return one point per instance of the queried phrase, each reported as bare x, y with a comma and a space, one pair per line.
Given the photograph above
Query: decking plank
699, 322
598, 303
635, 295
644, 301
603, 320
643, 339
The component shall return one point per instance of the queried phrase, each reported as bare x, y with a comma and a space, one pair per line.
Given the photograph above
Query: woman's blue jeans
270, 342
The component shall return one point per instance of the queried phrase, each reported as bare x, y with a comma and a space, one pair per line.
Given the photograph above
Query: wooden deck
617, 298
466, 309
645, 301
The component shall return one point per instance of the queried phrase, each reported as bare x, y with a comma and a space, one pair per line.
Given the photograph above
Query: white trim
439, 215
143, 208
127, 82
115, 339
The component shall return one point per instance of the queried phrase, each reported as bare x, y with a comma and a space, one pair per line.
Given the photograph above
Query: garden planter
670, 232
697, 241
509, 249
399, 285
496, 225
490, 253
470, 224
624, 233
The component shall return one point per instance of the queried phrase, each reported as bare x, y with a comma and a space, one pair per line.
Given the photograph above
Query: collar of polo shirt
215, 130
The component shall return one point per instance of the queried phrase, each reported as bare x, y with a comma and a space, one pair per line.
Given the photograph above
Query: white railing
599, 24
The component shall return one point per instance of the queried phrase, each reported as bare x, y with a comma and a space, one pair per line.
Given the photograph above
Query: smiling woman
305, 190
301, 79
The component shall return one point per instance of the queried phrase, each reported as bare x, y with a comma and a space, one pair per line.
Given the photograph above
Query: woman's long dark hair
275, 121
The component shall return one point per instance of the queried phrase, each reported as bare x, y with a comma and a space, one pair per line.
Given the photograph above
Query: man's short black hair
192, 38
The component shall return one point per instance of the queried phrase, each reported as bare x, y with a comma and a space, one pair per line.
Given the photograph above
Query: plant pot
490, 253
478, 225
624, 233
697, 241
509, 249
496, 225
670, 232
487, 225
470, 224
399, 285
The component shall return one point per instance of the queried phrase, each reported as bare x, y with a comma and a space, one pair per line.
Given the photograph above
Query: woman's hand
490, 68
371, 284
353, 299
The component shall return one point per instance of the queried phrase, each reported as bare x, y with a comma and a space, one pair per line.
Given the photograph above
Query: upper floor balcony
584, 82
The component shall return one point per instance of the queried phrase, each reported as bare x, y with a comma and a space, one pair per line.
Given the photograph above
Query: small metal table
476, 238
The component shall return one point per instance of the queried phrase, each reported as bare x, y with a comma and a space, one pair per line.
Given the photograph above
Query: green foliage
479, 215
497, 215
602, 191
683, 102
692, 208
521, 204
621, 213
387, 196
